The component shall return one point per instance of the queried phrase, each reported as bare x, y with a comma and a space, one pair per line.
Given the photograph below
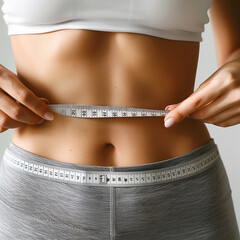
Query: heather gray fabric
197, 207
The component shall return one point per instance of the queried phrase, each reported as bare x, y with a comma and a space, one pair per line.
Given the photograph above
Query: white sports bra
170, 19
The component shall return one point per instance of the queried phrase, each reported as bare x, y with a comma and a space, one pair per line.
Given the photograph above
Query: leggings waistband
171, 169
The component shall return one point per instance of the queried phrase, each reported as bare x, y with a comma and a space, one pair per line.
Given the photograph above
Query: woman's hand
18, 104
216, 101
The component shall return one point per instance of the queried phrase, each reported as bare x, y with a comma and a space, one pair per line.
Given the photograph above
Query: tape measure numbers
107, 178
97, 111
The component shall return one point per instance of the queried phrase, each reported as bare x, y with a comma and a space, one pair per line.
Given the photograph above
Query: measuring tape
107, 178
97, 111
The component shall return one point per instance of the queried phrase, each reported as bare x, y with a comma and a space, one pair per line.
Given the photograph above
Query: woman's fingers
18, 104
224, 115
10, 84
217, 106
229, 122
171, 107
7, 122
16, 111
207, 92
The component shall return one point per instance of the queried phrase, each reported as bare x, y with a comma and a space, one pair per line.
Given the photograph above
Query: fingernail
169, 122
49, 116
166, 108
45, 100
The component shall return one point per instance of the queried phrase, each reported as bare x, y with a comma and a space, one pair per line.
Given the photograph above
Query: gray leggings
189, 206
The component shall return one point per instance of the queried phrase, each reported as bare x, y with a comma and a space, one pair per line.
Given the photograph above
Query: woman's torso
76, 66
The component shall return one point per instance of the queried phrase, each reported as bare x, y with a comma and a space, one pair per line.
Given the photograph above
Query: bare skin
115, 69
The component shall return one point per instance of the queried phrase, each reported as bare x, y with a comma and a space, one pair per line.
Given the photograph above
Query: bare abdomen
113, 69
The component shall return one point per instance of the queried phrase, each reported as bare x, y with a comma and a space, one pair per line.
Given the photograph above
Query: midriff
76, 66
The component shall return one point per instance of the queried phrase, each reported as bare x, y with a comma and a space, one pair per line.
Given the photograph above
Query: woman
91, 173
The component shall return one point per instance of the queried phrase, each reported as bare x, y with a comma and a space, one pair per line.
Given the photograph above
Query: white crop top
170, 19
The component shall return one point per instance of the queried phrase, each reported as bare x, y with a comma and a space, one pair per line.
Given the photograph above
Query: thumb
172, 106
45, 100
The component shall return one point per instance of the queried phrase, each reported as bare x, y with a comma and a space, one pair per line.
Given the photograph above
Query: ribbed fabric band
167, 170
